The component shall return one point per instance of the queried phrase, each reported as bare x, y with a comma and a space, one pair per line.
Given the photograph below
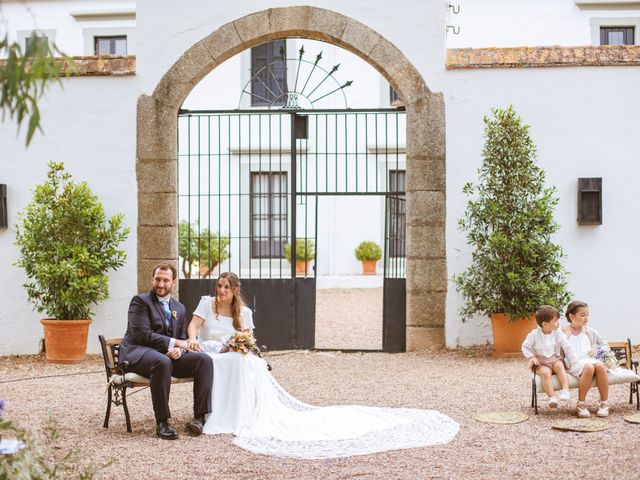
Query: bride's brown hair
236, 302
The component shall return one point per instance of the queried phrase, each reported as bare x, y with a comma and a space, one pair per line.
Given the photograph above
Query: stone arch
156, 149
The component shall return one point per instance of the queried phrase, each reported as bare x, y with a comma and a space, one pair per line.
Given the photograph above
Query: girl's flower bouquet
244, 342
606, 356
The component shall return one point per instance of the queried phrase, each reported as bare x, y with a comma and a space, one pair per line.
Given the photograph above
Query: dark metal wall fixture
4, 218
590, 201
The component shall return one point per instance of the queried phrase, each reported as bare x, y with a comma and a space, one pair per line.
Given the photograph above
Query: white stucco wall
584, 122
90, 126
514, 23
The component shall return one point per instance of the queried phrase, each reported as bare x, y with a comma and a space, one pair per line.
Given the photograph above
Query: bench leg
126, 409
108, 413
637, 388
534, 396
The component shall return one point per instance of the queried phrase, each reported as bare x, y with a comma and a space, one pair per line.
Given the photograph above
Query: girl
543, 348
583, 339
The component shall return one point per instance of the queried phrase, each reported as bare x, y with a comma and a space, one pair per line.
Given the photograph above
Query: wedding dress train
251, 404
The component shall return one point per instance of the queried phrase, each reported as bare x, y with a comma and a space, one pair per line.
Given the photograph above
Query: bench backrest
110, 354
622, 351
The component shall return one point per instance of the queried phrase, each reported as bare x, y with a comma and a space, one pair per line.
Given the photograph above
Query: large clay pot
65, 341
303, 268
369, 267
508, 336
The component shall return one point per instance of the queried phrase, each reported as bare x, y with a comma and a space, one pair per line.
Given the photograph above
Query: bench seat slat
617, 376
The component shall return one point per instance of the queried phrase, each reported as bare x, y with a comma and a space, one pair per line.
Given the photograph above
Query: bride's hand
193, 346
224, 349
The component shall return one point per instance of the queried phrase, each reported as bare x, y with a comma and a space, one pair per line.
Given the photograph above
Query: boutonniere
174, 314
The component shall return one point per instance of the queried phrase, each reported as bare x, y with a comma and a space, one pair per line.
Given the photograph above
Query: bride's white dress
249, 402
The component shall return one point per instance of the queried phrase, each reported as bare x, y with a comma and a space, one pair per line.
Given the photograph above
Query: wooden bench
628, 373
119, 380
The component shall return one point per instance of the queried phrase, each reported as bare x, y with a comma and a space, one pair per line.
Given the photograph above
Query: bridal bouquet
605, 355
244, 342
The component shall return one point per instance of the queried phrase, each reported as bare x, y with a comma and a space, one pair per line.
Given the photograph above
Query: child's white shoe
582, 410
603, 411
553, 402
564, 396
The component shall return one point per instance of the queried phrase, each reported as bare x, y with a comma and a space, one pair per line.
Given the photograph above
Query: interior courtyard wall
583, 126
94, 135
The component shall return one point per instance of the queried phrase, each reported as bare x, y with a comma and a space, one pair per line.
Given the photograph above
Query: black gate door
237, 177
394, 289
248, 189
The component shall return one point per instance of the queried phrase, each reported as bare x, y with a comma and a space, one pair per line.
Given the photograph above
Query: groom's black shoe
165, 431
195, 426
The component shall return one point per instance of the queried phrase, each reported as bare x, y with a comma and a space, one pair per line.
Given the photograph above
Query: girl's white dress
582, 344
249, 402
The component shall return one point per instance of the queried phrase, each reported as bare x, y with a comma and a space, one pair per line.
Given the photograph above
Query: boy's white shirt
536, 339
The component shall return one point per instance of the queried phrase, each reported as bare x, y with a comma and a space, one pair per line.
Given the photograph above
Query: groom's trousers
159, 369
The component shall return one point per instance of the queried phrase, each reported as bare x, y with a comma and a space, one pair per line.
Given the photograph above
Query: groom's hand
175, 353
193, 346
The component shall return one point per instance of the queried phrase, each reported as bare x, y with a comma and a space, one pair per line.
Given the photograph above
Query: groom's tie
167, 315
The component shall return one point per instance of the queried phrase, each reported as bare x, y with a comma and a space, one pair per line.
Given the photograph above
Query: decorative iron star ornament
317, 83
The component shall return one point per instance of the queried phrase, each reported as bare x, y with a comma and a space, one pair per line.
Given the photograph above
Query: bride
251, 404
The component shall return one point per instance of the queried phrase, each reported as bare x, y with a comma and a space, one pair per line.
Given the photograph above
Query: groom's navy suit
145, 345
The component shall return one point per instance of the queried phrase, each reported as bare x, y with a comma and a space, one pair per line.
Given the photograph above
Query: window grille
269, 214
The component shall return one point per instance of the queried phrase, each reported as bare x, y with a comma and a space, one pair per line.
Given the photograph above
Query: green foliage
66, 247
509, 222
368, 251
43, 457
206, 249
305, 249
25, 75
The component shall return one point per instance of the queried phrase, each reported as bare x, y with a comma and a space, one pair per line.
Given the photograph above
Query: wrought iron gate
248, 188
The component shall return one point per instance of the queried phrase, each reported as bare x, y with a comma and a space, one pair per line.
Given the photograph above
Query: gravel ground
354, 312
460, 384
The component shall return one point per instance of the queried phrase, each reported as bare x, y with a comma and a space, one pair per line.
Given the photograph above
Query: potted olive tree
67, 244
305, 252
515, 267
368, 253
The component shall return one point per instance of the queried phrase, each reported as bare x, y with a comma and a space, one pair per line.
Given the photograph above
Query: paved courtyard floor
460, 384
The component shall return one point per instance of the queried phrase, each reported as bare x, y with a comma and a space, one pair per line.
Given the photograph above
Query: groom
155, 346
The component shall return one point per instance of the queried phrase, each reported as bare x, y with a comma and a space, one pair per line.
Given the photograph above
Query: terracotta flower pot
65, 341
369, 267
303, 268
508, 336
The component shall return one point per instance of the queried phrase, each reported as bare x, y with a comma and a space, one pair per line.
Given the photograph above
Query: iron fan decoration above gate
312, 83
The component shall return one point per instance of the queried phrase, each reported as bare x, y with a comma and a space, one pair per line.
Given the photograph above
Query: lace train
283, 426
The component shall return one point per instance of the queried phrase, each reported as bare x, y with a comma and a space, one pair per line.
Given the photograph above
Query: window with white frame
269, 214
268, 74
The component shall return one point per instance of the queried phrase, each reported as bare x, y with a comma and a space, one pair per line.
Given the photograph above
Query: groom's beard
162, 291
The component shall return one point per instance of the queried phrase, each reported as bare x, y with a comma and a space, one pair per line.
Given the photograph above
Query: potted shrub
509, 222
207, 249
305, 252
368, 253
67, 244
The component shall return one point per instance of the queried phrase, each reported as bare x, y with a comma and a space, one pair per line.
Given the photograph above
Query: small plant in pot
305, 252
67, 245
368, 253
509, 222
